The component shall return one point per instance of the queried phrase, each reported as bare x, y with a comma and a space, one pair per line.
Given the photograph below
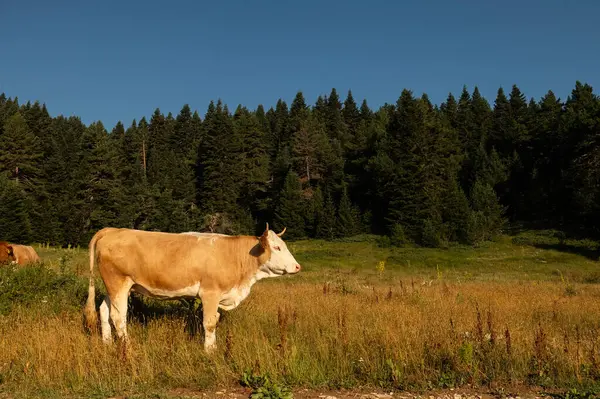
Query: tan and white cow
217, 268
19, 254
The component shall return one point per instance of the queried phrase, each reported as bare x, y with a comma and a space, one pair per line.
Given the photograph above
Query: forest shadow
590, 253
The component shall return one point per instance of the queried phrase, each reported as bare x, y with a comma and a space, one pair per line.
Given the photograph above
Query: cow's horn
282, 231
267, 228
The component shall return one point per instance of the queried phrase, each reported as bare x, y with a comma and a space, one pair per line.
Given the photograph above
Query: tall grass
368, 323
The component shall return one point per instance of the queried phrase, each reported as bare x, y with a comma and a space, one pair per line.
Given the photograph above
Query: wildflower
381, 266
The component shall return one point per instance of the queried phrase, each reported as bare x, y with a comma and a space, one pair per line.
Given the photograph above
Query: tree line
412, 171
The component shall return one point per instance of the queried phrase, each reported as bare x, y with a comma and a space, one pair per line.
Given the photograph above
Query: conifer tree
279, 120
408, 203
299, 112
348, 217
310, 149
15, 225
450, 109
219, 158
8, 107
362, 149
545, 199
486, 219
290, 208
20, 152
22, 159
103, 194
314, 211
365, 112
68, 183
351, 114
582, 145
336, 128
253, 168
325, 224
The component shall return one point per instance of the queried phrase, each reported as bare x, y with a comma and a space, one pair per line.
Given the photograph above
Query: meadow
522, 311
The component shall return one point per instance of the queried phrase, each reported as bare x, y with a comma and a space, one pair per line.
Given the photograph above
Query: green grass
523, 310
508, 258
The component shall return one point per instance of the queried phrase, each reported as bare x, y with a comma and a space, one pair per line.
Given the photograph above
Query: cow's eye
277, 248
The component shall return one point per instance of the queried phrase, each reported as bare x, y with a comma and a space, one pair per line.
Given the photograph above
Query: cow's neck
260, 274
265, 271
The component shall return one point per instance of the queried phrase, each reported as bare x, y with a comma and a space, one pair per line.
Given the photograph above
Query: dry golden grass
375, 327
431, 335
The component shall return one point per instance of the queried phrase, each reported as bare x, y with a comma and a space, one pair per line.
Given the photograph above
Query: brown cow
20, 254
6, 252
219, 269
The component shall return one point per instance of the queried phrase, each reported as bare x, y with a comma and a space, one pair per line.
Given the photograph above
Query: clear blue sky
110, 61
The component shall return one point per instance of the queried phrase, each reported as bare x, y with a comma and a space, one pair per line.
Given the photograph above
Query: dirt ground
459, 393
520, 393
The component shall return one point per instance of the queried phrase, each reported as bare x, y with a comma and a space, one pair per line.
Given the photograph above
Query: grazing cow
19, 254
217, 268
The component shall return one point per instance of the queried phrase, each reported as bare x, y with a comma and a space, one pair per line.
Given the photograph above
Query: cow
219, 269
19, 254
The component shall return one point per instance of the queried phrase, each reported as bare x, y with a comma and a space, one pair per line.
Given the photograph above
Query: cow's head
281, 261
6, 252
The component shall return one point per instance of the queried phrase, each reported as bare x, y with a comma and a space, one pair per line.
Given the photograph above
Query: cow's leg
118, 310
210, 316
104, 320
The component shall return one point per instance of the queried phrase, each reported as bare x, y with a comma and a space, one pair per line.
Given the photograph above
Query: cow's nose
298, 267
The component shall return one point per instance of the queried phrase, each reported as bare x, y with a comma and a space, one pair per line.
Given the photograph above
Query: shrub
36, 283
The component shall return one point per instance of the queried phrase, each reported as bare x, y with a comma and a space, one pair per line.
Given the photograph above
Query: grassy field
521, 311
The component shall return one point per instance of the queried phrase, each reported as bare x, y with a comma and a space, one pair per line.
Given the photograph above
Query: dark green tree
14, 213
325, 223
290, 208
21, 152
348, 216
220, 156
253, 168
486, 219
351, 114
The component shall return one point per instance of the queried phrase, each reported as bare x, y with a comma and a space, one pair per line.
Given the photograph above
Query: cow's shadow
189, 311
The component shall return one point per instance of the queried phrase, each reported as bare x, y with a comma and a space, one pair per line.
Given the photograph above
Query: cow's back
33, 255
25, 254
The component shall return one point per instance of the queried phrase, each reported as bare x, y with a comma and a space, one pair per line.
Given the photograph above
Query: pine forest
410, 172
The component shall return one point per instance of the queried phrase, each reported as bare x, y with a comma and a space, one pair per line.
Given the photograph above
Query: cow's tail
89, 312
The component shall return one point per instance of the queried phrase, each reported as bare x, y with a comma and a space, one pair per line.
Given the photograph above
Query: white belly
191, 291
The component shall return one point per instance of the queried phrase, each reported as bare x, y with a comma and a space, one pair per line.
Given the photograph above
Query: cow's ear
264, 238
9, 250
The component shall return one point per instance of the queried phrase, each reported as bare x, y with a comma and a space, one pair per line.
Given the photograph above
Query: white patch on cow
104, 320
232, 298
190, 291
210, 338
203, 236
